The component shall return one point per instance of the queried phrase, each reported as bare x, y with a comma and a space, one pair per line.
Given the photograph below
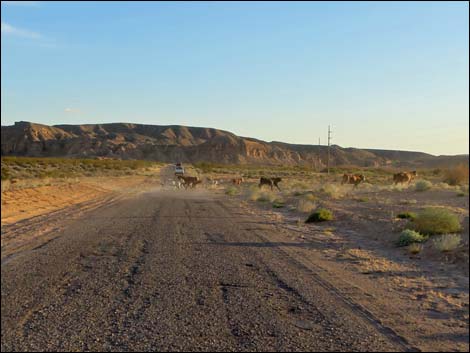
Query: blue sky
384, 75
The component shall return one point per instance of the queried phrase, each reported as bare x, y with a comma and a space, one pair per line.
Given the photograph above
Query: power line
328, 156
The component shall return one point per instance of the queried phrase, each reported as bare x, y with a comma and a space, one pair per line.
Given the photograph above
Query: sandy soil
423, 297
25, 203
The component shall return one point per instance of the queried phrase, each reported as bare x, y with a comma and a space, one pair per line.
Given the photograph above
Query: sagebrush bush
310, 196
415, 248
333, 191
408, 202
305, 206
447, 242
457, 175
232, 191
278, 203
423, 185
431, 221
320, 215
409, 236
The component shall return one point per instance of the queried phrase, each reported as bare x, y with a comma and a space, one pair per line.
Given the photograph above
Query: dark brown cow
270, 181
404, 177
355, 179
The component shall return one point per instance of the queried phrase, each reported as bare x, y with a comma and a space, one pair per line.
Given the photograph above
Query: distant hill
193, 144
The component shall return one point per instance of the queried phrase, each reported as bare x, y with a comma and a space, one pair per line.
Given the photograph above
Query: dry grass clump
232, 191
256, 194
423, 185
447, 242
408, 202
431, 221
310, 196
415, 248
335, 191
305, 206
457, 175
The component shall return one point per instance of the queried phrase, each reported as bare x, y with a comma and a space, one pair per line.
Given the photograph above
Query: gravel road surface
175, 270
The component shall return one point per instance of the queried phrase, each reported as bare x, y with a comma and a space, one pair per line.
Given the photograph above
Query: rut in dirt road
174, 271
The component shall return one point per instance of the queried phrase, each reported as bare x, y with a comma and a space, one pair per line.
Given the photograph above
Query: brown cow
404, 177
355, 179
270, 181
237, 181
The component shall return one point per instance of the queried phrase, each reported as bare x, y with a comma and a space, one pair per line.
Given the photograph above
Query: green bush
435, 220
423, 185
320, 215
407, 215
409, 236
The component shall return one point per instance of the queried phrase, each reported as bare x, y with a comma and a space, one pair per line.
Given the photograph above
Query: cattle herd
354, 179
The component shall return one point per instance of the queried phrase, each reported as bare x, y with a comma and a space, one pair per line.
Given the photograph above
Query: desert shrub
423, 185
407, 215
254, 194
415, 248
362, 199
278, 204
408, 202
409, 236
457, 175
298, 193
442, 185
300, 185
447, 242
320, 215
310, 196
461, 194
333, 191
266, 197
305, 206
231, 191
435, 220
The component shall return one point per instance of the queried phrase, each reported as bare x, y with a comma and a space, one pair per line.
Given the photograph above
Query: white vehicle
179, 170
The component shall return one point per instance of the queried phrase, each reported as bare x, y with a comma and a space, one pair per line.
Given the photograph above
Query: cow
237, 181
404, 177
355, 179
270, 181
189, 181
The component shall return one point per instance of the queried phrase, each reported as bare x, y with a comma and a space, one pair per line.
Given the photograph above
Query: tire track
356, 308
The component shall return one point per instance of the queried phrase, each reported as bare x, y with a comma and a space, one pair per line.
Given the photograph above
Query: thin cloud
20, 3
71, 110
19, 32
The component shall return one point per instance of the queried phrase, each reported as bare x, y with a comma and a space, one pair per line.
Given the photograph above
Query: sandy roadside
21, 204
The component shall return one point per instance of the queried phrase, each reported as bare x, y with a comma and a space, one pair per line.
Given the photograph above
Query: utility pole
328, 156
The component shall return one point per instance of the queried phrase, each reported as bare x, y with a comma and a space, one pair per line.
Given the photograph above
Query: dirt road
169, 270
